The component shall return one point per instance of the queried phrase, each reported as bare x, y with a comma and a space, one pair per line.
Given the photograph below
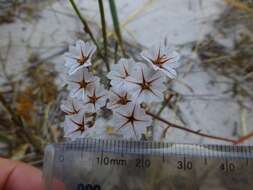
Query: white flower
80, 83
147, 85
162, 58
132, 120
79, 56
120, 72
95, 99
118, 98
71, 106
77, 126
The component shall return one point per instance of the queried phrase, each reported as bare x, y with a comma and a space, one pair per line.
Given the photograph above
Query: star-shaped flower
120, 72
118, 98
80, 83
95, 99
79, 56
77, 126
147, 85
71, 106
132, 120
162, 58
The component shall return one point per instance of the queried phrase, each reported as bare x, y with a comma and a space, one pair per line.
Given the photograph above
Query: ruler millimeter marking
156, 148
119, 164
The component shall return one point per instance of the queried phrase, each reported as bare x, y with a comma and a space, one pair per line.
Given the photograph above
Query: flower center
125, 73
83, 59
83, 84
73, 111
123, 100
160, 59
131, 119
93, 99
80, 126
145, 85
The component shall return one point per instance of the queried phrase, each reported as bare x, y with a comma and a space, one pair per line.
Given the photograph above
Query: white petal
174, 62
76, 67
74, 51
173, 56
69, 62
90, 48
80, 44
168, 71
118, 76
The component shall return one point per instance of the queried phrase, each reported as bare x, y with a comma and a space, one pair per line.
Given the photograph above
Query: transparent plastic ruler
93, 164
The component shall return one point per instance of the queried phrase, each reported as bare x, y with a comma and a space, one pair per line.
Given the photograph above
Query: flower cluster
131, 83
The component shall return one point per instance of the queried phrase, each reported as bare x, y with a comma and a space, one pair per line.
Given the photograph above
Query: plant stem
116, 25
164, 104
115, 53
103, 24
84, 22
244, 138
190, 130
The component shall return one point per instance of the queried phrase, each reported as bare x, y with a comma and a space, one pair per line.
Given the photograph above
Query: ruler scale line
107, 164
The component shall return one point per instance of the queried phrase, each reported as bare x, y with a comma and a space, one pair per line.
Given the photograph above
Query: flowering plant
132, 84
136, 88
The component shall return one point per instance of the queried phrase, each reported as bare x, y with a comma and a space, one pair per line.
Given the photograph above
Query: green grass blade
116, 24
103, 24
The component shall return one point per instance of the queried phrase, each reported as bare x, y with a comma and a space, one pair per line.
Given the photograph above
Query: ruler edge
120, 146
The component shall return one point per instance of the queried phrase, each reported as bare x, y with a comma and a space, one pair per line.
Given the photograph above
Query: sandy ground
144, 22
